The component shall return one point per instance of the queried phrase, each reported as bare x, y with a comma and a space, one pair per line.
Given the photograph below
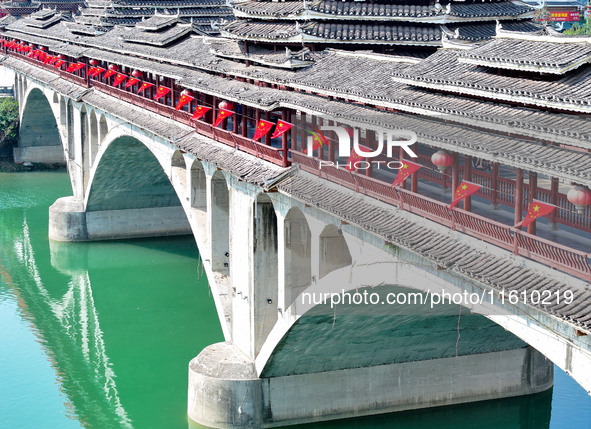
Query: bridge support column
68, 221
225, 392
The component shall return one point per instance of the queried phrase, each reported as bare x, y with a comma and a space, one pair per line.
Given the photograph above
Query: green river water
99, 335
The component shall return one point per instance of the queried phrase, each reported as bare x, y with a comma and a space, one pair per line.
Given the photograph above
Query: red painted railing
563, 258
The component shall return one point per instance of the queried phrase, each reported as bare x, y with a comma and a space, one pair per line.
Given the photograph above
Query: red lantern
580, 196
113, 67
94, 62
62, 57
442, 159
226, 105
137, 74
186, 92
43, 48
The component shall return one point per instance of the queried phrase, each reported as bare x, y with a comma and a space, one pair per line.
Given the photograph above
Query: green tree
8, 121
579, 30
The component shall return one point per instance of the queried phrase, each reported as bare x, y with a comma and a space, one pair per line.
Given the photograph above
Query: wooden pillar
401, 157
257, 118
172, 93
495, 186
369, 170
414, 179
284, 139
214, 109
268, 135
235, 122
455, 173
554, 200
518, 195
468, 177
533, 193
245, 111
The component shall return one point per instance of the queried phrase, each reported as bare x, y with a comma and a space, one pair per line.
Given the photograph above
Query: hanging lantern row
580, 196
442, 159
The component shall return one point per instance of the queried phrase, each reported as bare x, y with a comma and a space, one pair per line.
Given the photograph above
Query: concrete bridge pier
68, 221
281, 368
225, 392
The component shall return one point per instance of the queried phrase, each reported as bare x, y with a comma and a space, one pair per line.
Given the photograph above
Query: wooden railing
244, 144
560, 257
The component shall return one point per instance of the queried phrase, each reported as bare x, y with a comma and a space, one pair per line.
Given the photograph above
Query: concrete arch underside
39, 133
310, 331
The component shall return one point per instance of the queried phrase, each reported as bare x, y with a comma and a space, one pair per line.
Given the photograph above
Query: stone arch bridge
274, 242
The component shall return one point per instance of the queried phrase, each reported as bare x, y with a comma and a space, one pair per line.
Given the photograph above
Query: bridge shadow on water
524, 412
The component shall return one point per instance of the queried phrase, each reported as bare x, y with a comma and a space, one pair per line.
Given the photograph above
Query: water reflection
119, 321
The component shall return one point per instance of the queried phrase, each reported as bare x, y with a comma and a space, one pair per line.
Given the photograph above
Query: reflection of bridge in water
101, 346
268, 234
69, 322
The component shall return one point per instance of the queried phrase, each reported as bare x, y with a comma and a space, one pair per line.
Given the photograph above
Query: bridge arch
297, 255
198, 186
265, 267
103, 128
130, 193
39, 136
219, 219
128, 173
334, 252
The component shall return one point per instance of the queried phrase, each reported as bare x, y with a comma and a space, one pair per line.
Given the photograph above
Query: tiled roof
333, 9
156, 22
558, 56
158, 38
443, 71
168, 3
390, 34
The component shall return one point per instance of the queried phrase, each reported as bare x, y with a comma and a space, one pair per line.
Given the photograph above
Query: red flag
407, 169
183, 100
120, 78
75, 67
30, 54
221, 116
463, 190
318, 139
52, 60
97, 72
58, 63
91, 71
200, 111
144, 86
110, 73
47, 59
536, 210
354, 158
262, 128
131, 82
41, 56
281, 128
162, 91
